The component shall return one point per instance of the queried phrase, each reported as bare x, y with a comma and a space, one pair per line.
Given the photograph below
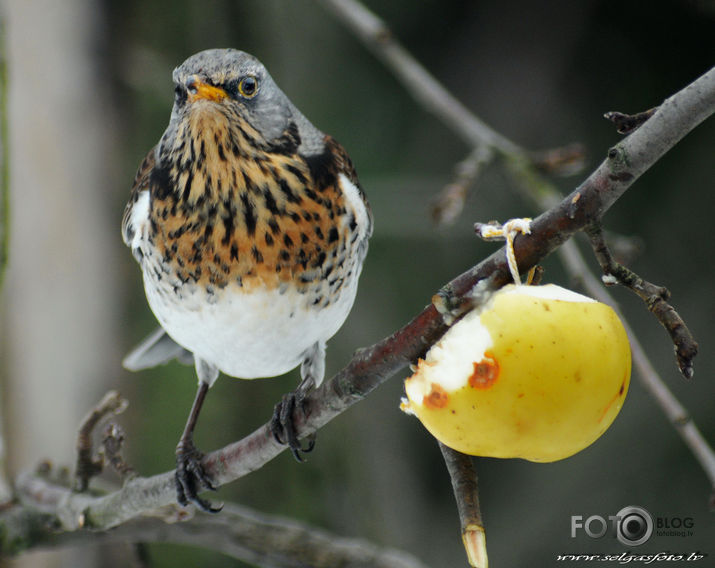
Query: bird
251, 228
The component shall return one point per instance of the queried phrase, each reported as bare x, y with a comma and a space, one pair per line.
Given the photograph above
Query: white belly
248, 335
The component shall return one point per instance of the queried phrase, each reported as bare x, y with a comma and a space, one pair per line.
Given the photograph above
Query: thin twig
563, 161
111, 449
655, 297
449, 202
89, 465
466, 492
627, 123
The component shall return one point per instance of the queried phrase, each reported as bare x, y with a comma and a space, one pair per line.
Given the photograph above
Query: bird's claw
283, 425
191, 478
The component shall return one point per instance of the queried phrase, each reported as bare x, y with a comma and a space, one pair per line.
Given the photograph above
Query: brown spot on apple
437, 397
486, 372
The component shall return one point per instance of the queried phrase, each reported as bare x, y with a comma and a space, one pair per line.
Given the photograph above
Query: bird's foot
283, 424
191, 478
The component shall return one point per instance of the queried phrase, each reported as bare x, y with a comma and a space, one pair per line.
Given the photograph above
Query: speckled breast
248, 259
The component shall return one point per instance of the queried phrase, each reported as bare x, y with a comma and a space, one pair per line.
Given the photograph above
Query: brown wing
141, 183
326, 167
345, 165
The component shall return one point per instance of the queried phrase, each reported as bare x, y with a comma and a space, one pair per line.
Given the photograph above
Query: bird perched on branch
251, 229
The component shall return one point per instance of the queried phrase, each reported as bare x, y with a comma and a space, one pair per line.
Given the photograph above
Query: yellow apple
539, 372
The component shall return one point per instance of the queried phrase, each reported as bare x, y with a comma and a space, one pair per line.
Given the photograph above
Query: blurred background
90, 94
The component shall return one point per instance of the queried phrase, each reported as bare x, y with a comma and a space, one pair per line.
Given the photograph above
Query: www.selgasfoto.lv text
627, 557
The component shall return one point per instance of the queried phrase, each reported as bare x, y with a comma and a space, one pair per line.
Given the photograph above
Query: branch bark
463, 474
372, 366
238, 532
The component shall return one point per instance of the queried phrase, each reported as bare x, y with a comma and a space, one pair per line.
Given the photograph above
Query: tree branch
449, 202
420, 84
466, 492
89, 465
238, 532
655, 297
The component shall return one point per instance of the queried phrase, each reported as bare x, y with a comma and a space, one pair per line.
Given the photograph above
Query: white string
508, 232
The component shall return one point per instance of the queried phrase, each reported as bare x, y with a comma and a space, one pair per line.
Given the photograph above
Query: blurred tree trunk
58, 330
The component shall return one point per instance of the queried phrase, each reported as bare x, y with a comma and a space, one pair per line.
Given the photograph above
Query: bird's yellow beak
200, 91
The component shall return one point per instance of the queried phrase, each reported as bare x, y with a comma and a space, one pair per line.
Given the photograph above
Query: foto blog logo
632, 525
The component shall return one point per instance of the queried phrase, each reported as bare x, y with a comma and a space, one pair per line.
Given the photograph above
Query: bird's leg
190, 475
312, 372
283, 425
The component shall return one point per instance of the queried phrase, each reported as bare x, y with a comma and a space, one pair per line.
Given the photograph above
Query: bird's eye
248, 86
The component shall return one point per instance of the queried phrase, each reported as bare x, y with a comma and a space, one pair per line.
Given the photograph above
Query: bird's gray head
239, 86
